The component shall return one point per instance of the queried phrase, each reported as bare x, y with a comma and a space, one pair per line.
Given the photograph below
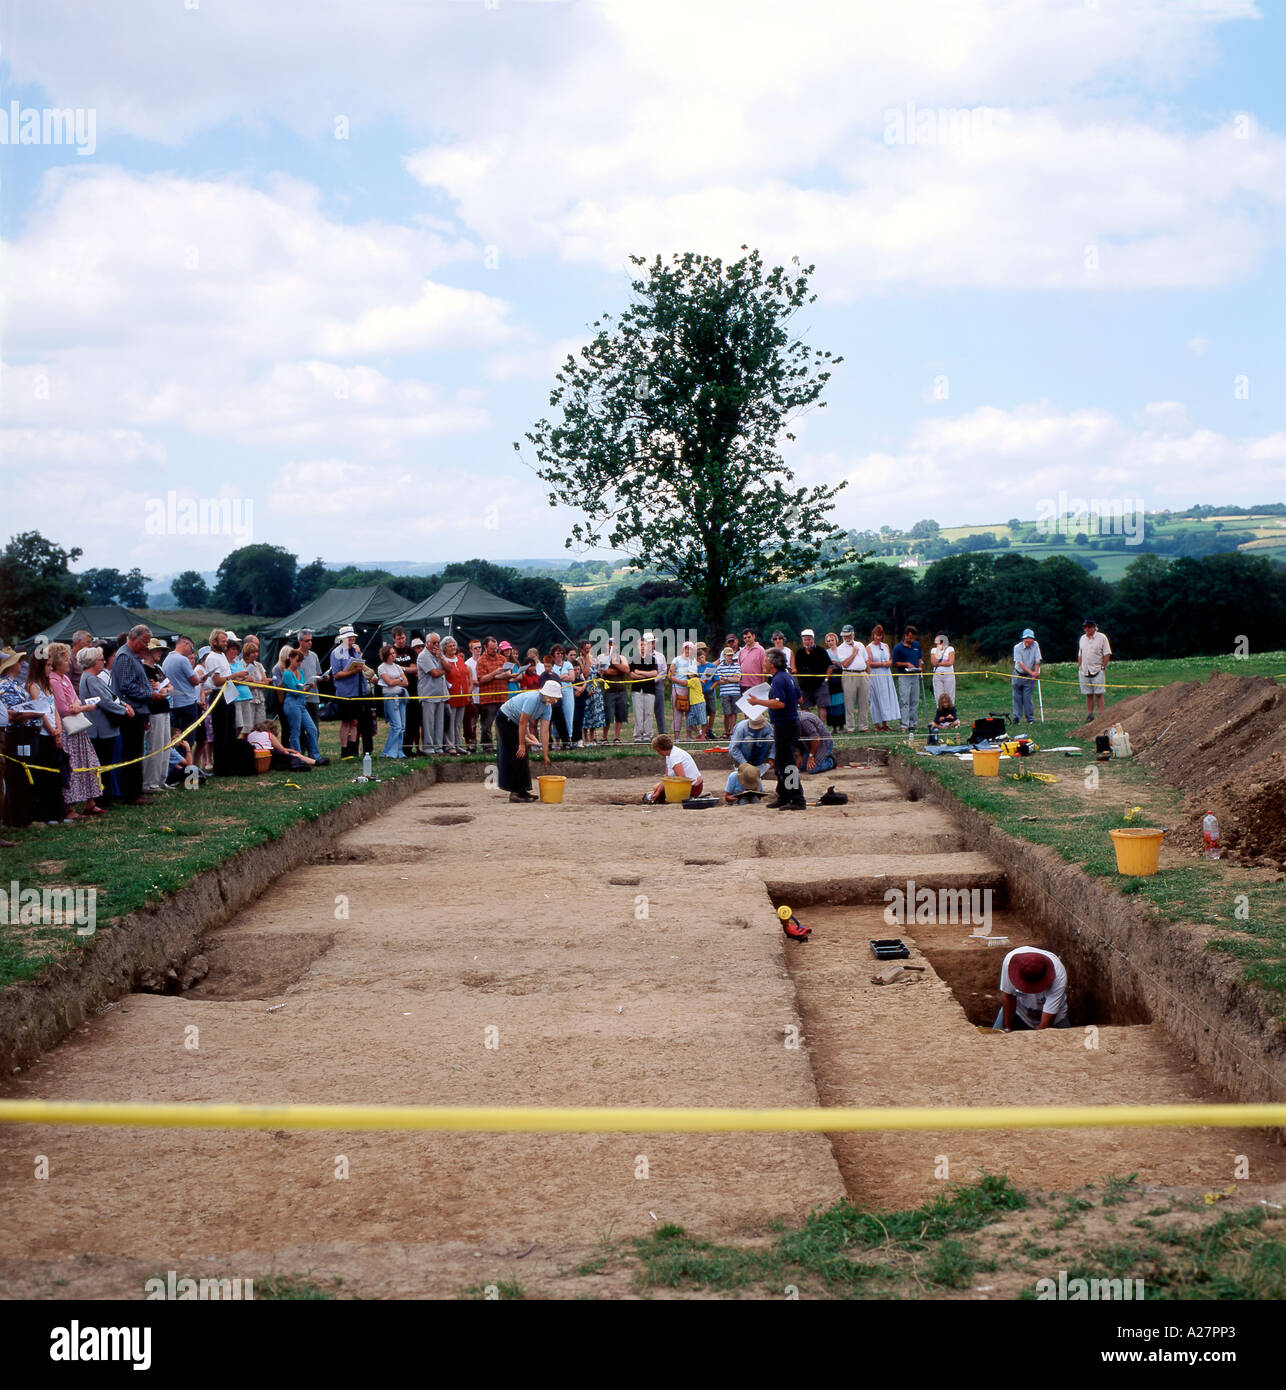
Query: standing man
433, 689
132, 687
646, 673
751, 659
310, 672
811, 664
616, 694
782, 703
516, 722
728, 674
472, 708
1026, 674
493, 686
855, 680
907, 663
404, 656
1091, 666
346, 666
185, 682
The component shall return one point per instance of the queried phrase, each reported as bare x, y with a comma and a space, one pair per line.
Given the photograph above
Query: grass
1074, 820
295, 1288
136, 856
198, 623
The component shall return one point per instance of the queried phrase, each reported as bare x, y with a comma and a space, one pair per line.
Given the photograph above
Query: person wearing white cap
750, 749
515, 736
850, 656
346, 667
1026, 674
811, 664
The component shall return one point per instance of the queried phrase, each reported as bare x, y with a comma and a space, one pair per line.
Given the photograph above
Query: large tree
256, 579
672, 423
36, 587
190, 590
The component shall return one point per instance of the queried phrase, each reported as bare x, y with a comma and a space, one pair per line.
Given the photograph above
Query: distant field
198, 623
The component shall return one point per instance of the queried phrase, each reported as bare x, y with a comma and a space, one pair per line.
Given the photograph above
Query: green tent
463, 610
365, 608
106, 622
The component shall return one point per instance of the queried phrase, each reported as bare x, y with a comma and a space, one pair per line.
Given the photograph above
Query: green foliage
190, 590
36, 587
258, 579
670, 430
310, 581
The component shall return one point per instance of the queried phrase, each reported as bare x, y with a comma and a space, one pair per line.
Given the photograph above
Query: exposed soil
628, 956
1223, 741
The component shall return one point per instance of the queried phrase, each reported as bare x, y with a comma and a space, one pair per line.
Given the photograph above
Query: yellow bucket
1138, 852
551, 788
677, 788
986, 762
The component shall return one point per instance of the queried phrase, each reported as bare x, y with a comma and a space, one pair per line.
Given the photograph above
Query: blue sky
325, 257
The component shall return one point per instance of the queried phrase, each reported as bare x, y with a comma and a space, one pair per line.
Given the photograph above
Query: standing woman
46, 786
259, 677
299, 722
83, 784
19, 734
393, 686
459, 684
105, 715
222, 722
833, 686
943, 656
884, 697
594, 717
564, 716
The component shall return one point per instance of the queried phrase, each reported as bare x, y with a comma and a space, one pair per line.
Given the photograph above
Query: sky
318, 260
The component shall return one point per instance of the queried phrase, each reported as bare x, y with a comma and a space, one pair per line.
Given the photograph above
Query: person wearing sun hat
1033, 990
515, 736
1026, 673
1093, 653
346, 666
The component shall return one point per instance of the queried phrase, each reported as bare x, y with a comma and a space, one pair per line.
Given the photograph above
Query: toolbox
893, 948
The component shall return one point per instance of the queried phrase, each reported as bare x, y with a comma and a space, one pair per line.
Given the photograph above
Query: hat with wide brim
9, 658
1030, 972
749, 778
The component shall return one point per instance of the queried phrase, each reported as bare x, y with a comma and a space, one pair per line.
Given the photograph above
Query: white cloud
991, 463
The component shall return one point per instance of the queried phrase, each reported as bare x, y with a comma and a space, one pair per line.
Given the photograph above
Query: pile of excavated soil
1223, 741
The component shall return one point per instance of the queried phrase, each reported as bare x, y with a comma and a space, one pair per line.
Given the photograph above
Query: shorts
1093, 685
728, 704
245, 711
616, 706
697, 716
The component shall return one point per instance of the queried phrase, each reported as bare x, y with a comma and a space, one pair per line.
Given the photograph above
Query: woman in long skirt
884, 697
83, 783
594, 717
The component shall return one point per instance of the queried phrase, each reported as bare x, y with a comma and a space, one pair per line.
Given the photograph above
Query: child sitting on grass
945, 717
264, 735
678, 763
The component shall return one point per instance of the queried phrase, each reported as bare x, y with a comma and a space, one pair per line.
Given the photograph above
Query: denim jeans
1023, 700
299, 721
395, 713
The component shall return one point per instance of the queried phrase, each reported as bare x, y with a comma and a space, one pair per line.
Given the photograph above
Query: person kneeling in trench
514, 736
678, 763
1033, 987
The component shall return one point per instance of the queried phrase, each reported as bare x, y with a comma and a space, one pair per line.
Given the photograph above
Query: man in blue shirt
750, 746
907, 661
514, 736
346, 666
782, 703
1026, 674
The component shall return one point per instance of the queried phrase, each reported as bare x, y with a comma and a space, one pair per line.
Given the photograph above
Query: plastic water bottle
366, 764
1210, 833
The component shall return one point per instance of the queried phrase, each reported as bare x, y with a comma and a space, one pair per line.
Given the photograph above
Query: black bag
832, 798
985, 730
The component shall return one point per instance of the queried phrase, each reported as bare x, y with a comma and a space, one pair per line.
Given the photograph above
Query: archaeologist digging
515, 736
1033, 987
678, 763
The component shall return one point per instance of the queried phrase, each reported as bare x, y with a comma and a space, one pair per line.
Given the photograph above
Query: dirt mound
1223, 741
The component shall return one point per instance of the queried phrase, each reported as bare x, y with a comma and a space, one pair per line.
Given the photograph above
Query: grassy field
1075, 821
198, 623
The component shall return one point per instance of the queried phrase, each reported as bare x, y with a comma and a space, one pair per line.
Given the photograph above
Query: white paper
747, 708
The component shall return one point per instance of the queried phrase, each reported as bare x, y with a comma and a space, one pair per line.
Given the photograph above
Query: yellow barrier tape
632, 1120
112, 767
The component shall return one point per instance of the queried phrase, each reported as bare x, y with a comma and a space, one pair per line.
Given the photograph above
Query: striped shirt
729, 674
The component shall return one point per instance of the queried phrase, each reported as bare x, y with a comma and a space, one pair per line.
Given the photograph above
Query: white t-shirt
680, 763
1029, 1007
845, 651
472, 663
387, 671
258, 738
947, 653
216, 664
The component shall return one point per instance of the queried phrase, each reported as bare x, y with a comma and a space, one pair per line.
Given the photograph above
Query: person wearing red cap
1033, 989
